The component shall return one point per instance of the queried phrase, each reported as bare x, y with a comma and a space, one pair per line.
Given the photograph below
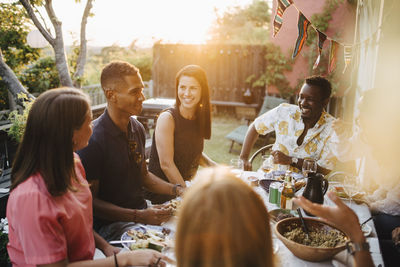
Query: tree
9, 77
14, 51
250, 25
57, 41
243, 25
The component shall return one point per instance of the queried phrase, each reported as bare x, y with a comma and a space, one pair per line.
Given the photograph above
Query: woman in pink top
50, 205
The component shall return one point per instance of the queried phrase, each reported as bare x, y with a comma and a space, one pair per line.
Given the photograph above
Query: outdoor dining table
284, 255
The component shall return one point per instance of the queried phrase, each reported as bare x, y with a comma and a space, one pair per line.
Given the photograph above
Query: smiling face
189, 92
127, 98
311, 103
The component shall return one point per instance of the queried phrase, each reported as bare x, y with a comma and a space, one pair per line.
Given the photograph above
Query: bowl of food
323, 243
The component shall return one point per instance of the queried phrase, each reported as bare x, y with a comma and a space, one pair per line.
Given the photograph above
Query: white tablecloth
286, 258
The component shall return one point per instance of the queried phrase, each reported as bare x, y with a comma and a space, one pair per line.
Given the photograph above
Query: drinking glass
267, 163
350, 187
309, 166
237, 165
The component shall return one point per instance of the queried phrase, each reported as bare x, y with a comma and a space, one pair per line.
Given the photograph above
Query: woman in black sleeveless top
177, 148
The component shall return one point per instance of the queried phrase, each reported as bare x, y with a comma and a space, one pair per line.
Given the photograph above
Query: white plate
154, 228
272, 174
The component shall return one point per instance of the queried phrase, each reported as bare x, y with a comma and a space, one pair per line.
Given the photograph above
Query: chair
261, 151
238, 134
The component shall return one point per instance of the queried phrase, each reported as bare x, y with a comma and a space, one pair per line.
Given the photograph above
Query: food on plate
173, 204
145, 237
339, 190
317, 237
358, 197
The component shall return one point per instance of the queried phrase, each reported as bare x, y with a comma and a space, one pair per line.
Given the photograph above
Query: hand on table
339, 215
281, 158
110, 250
247, 165
396, 238
154, 215
143, 257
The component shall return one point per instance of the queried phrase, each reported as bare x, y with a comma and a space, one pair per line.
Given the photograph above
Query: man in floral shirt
302, 131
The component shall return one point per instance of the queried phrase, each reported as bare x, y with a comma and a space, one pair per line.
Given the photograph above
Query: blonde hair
222, 223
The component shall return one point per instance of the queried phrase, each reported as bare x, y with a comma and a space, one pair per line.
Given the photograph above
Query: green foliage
141, 58
18, 120
243, 24
14, 27
321, 22
3, 248
276, 66
41, 76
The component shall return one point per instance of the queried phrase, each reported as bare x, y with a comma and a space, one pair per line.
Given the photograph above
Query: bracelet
174, 189
355, 247
115, 259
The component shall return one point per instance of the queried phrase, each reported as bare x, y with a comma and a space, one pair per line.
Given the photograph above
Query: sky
122, 21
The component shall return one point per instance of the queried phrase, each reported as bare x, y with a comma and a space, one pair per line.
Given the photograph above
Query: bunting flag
347, 56
302, 26
321, 40
332, 55
280, 9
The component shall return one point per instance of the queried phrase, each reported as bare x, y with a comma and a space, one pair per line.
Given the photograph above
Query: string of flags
302, 25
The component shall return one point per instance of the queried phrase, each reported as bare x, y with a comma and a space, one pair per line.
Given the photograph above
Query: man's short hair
322, 83
114, 72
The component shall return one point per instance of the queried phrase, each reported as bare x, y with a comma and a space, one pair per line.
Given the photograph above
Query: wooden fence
227, 68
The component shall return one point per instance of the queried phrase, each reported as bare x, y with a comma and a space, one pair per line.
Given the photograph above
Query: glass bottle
287, 192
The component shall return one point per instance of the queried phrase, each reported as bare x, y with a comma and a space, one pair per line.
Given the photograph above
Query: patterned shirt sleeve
265, 123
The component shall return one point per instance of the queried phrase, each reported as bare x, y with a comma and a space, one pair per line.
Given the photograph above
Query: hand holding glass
267, 163
309, 166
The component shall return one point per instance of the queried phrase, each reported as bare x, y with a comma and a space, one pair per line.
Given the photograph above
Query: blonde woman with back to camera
222, 223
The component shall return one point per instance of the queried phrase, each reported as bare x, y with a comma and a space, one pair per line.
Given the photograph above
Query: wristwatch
354, 247
175, 189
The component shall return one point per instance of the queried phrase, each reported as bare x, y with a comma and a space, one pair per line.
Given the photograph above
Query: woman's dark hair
47, 146
203, 112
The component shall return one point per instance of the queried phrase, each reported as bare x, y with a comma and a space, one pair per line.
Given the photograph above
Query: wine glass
309, 166
267, 163
350, 187
237, 165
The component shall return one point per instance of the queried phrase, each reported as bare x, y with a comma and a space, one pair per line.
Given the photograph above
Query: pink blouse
45, 229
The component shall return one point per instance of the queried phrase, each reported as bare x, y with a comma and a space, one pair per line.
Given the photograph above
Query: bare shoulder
165, 121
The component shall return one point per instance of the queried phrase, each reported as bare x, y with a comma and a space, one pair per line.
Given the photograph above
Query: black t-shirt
115, 160
188, 147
